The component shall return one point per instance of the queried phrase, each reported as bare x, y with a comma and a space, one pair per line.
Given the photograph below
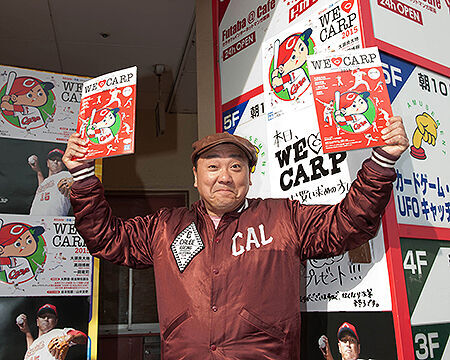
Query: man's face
46, 322
35, 97
55, 165
348, 347
25, 245
222, 178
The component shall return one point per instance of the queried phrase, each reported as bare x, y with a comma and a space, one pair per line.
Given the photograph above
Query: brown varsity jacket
232, 292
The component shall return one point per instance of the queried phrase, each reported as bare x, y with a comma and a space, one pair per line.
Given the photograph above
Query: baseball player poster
107, 114
33, 178
347, 335
42, 256
351, 99
32, 326
37, 105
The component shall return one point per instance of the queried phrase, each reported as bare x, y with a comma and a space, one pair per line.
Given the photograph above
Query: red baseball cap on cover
347, 328
24, 84
11, 232
288, 45
47, 308
347, 98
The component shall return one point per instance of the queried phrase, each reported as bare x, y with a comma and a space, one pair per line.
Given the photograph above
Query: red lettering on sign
29, 120
15, 274
402, 9
239, 46
359, 125
295, 87
299, 8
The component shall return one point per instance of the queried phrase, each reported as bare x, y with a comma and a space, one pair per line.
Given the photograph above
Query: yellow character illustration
427, 131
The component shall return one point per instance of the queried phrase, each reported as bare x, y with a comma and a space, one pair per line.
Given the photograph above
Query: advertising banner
421, 97
38, 105
267, 98
43, 259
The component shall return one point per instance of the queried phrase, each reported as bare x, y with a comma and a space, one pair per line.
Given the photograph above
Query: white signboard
339, 284
418, 27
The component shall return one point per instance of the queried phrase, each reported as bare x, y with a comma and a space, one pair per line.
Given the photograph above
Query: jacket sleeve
330, 230
123, 242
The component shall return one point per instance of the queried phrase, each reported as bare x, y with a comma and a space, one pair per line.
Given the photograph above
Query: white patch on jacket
186, 245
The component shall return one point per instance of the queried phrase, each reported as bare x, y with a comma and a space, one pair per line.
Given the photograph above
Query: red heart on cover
336, 61
101, 83
347, 5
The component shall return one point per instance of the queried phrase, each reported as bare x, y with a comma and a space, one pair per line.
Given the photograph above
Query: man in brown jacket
228, 269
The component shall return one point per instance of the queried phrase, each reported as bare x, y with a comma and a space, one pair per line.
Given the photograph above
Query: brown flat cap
208, 142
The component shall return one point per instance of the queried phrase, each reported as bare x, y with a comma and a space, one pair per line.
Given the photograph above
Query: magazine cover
351, 99
107, 114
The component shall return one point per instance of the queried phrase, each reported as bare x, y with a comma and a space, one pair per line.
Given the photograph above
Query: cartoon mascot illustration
427, 131
103, 125
354, 112
289, 76
24, 99
17, 242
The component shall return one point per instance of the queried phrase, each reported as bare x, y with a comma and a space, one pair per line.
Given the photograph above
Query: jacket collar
199, 206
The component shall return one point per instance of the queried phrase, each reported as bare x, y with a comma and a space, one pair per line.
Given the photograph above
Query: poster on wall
42, 256
38, 105
33, 178
421, 97
72, 313
426, 265
248, 31
414, 29
352, 335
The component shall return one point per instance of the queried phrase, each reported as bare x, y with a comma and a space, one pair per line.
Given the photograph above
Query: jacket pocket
261, 325
175, 323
